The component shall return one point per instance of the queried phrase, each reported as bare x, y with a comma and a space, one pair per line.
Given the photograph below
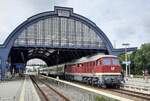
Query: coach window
106, 61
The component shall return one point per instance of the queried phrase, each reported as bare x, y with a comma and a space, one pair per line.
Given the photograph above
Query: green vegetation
140, 59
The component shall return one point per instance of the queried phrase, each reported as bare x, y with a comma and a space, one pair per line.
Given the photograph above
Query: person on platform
143, 74
146, 75
122, 75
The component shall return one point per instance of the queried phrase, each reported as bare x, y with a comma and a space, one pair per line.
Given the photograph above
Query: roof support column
3, 62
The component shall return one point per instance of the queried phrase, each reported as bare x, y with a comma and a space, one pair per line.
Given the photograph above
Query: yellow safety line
23, 91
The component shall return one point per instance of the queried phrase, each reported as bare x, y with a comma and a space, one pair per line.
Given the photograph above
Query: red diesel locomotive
100, 70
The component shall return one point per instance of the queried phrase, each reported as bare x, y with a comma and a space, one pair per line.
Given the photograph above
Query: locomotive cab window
106, 61
115, 61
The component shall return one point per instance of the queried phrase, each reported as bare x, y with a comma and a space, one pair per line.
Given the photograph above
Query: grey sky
121, 20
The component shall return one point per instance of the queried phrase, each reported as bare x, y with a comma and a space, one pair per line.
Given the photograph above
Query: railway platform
10, 90
19, 89
138, 82
137, 85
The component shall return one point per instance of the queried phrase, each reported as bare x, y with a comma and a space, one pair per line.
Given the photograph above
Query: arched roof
58, 11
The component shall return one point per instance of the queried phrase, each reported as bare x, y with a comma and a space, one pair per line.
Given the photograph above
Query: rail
34, 82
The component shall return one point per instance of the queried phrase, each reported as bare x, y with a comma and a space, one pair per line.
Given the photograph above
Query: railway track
47, 92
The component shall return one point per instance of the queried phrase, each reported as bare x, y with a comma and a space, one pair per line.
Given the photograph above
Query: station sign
126, 62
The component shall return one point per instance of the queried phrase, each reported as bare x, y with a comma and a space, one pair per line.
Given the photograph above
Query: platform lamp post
129, 53
126, 45
129, 67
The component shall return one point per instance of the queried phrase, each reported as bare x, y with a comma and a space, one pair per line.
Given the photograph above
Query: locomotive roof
91, 58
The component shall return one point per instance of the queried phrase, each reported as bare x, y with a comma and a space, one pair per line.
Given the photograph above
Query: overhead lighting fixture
51, 50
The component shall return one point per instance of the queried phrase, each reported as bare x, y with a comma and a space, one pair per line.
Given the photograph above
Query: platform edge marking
23, 91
